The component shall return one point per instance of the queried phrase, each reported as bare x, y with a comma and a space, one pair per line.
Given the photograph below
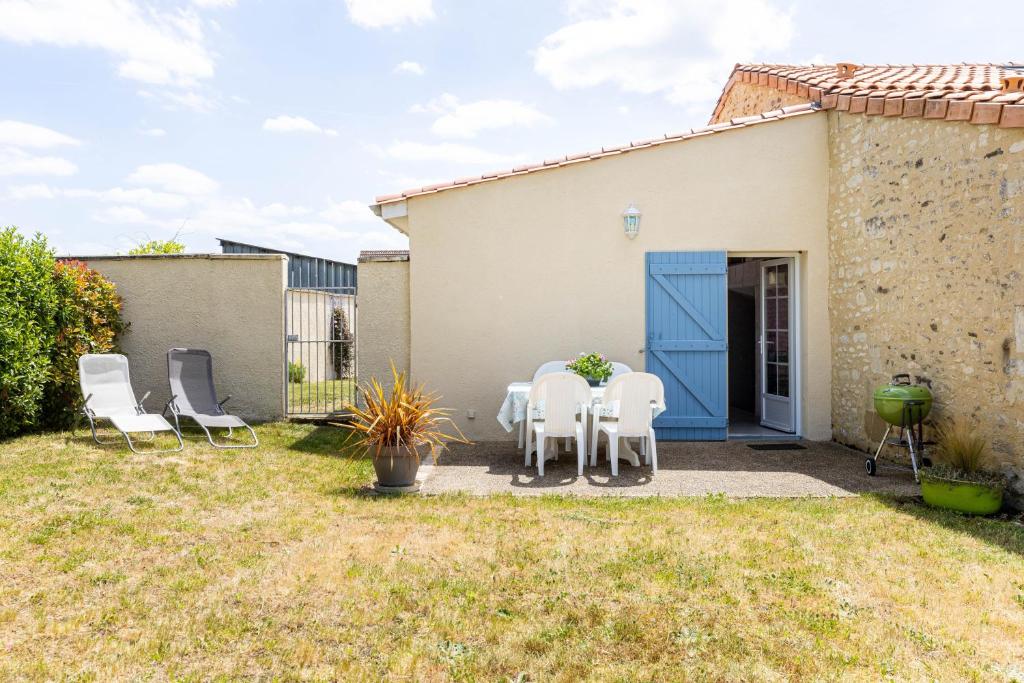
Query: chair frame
177, 413
92, 417
648, 440
580, 429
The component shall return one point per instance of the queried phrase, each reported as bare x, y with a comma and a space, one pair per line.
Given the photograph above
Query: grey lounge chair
108, 393
190, 373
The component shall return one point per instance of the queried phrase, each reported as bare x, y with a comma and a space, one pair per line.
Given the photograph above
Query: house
832, 226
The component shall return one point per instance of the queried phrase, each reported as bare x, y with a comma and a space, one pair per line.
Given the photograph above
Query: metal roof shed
304, 271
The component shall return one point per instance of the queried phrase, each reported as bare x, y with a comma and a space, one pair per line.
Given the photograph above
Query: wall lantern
631, 221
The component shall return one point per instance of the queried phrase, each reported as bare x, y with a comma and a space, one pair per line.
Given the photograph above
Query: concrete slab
685, 469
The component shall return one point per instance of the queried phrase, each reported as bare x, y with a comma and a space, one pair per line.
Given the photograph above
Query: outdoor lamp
631, 221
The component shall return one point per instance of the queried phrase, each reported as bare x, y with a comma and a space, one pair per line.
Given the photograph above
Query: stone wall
926, 231
746, 99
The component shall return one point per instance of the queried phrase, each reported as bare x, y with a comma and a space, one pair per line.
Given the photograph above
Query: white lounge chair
566, 397
108, 393
630, 399
190, 374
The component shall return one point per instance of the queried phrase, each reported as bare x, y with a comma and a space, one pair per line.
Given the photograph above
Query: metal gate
320, 351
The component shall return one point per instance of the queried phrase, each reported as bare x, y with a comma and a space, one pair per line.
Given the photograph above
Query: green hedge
28, 306
50, 313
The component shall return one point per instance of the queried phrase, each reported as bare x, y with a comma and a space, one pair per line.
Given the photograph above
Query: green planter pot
961, 496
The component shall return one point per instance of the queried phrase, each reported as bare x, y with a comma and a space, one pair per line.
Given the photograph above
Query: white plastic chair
566, 397
546, 369
619, 369
550, 367
629, 398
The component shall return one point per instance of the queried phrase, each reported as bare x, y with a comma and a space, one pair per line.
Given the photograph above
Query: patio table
513, 410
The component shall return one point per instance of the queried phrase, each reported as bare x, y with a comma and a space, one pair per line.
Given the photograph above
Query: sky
276, 122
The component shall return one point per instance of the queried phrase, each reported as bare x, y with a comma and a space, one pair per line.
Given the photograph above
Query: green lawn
271, 564
310, 398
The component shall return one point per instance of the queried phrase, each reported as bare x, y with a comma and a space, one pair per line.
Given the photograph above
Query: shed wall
230, 305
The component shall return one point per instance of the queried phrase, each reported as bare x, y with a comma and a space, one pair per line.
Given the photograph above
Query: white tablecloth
513, 409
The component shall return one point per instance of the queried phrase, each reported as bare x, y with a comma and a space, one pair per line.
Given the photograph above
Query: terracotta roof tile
760, 119
889, 89
958, 92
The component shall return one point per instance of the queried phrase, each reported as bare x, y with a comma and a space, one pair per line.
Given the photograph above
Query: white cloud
154, 46
348, 211
388, 13
447, 151
173, 178
407, 67
466, 120
128, 215
682, 50
295, 124
20, 134
140, 196
28, 192
16, 162
279, 210
154, 132
180, 99
214, 4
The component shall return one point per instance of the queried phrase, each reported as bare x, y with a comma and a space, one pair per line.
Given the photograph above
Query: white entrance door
776, 342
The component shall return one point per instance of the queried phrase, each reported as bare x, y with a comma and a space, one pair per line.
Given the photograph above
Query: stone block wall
926, 232
746, 99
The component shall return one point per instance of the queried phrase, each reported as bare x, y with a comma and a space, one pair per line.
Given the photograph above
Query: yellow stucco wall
746, 99
383, 321
509, 274
926, 223
230, 305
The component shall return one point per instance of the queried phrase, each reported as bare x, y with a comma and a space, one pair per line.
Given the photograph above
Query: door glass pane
782, 280
771, 379
782, 305
770, 314
783, 379
782, 347
771, 346
769, 278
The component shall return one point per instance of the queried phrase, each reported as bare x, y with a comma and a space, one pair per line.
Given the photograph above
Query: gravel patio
685, 469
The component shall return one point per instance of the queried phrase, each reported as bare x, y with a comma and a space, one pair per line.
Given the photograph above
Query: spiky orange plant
405, 418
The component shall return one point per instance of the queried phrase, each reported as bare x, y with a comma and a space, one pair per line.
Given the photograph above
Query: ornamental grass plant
402, 418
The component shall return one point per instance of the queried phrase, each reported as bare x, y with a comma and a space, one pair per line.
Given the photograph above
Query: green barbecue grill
905, 406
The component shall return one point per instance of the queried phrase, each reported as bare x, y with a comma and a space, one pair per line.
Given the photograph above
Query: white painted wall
508, 274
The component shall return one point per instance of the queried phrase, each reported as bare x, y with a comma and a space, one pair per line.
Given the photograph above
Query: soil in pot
961, 496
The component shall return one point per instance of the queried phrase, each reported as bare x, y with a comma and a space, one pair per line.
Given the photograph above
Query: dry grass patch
271, 564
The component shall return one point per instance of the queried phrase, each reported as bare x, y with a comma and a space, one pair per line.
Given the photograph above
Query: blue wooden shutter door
686, 342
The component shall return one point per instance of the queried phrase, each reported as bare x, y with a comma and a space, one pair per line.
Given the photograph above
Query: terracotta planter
395, 467
962, 496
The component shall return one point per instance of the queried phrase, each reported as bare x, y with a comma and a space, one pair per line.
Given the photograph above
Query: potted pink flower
593, 367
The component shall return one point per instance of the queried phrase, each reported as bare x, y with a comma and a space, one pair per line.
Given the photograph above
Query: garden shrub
50, 313
296, 373
343, 355
28, 304
88, 320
